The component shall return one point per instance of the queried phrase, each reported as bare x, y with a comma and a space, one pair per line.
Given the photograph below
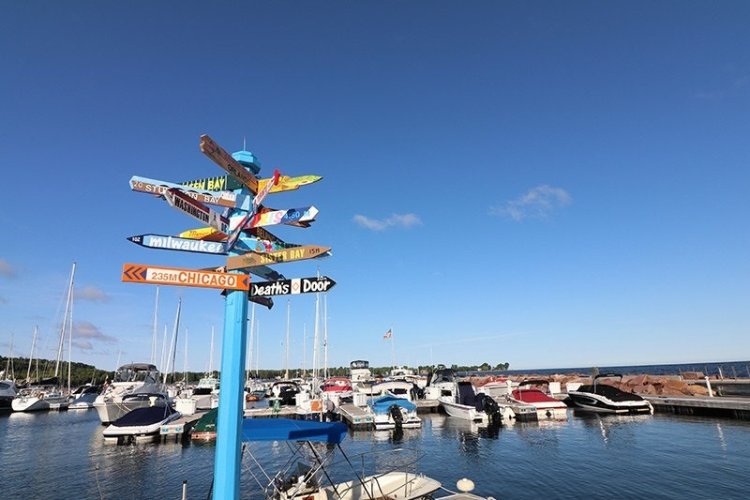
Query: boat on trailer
604, 398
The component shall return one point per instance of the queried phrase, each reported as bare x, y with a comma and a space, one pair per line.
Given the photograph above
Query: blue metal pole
229, 421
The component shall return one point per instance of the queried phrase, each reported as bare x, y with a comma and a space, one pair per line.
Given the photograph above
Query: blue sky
543, 183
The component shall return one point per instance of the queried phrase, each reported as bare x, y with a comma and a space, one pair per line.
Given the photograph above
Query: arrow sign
292, 287
264, 301
225, 161
228, 183
252, 259
220, 198
293, 216
164, 242
196, 209
156, 275
256, 203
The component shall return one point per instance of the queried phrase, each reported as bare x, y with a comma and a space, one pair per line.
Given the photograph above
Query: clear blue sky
544, 183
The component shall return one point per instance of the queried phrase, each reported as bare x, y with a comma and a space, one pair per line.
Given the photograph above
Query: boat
398, 388
407, 374
44, 395
299, 480
547, 407
284, 391
442, 383
126, 391
141, 422
392, 412
360, 376
336, 390
8, 392
604, 398
496, 387
468, 405
83, 397
206, 393
205, 428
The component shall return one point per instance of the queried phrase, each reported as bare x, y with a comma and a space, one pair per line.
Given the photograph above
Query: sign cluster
238, 230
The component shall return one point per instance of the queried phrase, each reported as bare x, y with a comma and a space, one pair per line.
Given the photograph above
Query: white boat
83, 398
142, 422
360, 376
407, 374
391, 412
546, 407
8, 392
399, 388
603, 398
128, 390
441, 385
206, 393
41, 396
468, 405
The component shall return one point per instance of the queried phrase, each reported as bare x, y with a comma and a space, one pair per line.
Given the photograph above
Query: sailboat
47, 394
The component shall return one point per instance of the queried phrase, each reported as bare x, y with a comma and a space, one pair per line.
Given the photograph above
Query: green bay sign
292, 287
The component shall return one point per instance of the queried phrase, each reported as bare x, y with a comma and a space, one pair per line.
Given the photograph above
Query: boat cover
144, 416
285, 429
381, 404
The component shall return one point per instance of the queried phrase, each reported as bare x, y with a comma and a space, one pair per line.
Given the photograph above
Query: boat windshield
359, 364
128, 374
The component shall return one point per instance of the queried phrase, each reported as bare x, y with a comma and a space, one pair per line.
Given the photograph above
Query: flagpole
393, 349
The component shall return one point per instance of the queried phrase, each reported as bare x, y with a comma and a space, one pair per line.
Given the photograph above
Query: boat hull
146, 429
464, 412
593, 402
110, 411
34, 403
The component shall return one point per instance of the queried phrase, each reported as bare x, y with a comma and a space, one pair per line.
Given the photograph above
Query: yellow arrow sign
253, 259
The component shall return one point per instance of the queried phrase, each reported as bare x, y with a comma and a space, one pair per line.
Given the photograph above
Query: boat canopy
285, 429
608, 375
381, 404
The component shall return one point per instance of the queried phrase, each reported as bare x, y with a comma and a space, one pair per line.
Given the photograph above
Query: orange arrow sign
253, 259
157, 275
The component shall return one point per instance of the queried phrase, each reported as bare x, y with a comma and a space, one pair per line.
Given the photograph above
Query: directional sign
164, 242
264, 301
292, 287
229, 183
289, 217
225, 161
203, 233
220, 198
196, 209
156, 275
266, 273
256, 204
263, 246
288, 255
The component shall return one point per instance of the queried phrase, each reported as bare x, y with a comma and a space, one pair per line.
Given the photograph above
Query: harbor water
63, 455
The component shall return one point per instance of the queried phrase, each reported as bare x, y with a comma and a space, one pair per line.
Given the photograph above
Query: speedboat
141, 422
407, 374
399, 388
8, 392
129, 380
441, 385
391, 412
605, 398
468, 405
83, 398
284, 391
206, 393
547, 407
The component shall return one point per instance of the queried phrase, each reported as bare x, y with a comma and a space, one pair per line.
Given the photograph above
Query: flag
388, 334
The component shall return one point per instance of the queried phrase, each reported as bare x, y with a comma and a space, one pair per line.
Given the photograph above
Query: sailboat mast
250, 343
61, 342
316, 339
286, 342
325, 336
185, 359
154, 334
173, 344
70, 328
162, 362
304, 350
31, 356
257, 348
211, 355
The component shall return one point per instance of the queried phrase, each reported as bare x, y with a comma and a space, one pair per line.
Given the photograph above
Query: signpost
252, 259
292, 287
157, 275
241, 194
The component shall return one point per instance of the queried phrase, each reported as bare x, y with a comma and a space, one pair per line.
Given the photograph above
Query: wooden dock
181, 427
355, 417
738, 408
283, 411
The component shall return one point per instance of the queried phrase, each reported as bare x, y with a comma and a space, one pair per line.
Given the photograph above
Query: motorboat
336, 390
361, 376
205, 428
391, 412
468, 405
604, 398
121, 395
142, 422
83, 397
496, 387
206, 393
408, 375
299, 481
398, 388
44, 395
8, 392
547, 407
441, 385
284, 391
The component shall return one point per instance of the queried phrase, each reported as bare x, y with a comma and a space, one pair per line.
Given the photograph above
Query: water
62, 455
727, 369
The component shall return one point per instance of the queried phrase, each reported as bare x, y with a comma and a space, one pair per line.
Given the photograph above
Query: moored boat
146, 421
468, 405
604, 398
547, 407
8, 392
128, 390
391, 412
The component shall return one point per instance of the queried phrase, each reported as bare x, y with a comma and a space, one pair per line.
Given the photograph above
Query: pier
738, 408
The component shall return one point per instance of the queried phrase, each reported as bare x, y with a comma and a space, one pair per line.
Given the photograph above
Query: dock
181, 427
738, 408
355, 417
283, 411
